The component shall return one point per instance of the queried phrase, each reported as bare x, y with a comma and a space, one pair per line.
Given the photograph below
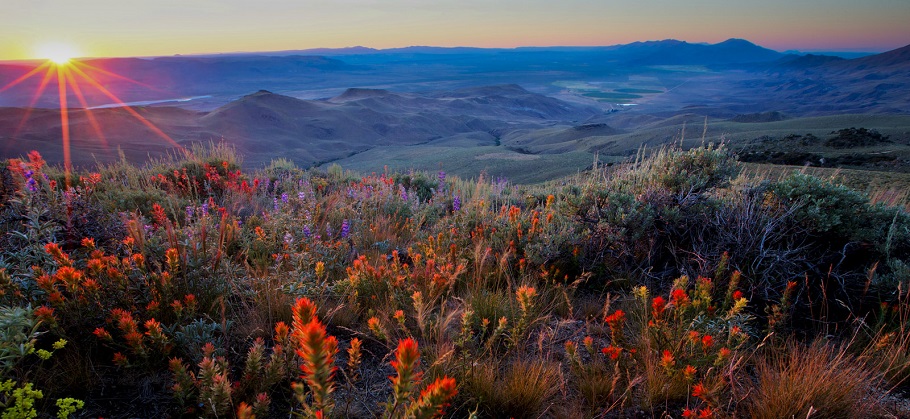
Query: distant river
149, 102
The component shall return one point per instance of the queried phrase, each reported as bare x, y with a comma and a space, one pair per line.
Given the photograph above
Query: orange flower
679, 297
103, 334
120, 360
406, 363
724, 353
689, 372
688, 413
706, 413
281, 331
45, 314
699, 391
612, 351
667, 361
317, 352
434, 399
737, 295
707, 341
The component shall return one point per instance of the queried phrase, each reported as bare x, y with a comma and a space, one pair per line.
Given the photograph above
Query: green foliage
18, 402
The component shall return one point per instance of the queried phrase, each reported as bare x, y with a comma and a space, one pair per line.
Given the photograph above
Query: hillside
680, 282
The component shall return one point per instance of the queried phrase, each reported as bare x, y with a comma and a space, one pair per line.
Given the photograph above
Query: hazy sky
166, 27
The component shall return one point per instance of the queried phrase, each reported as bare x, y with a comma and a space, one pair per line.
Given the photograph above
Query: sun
58, 53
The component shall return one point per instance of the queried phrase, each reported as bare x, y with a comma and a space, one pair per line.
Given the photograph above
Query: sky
103, 28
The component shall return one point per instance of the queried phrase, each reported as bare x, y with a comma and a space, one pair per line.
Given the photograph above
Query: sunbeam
64, 123
25, 76
129, 109
71, 80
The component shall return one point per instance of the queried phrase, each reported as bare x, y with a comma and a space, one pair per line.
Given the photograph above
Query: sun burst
58, 53
72, 77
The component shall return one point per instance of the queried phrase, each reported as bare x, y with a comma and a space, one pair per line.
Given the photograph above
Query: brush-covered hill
266, 125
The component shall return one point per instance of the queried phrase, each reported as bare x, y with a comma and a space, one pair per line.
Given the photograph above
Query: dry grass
817, 381
524, 389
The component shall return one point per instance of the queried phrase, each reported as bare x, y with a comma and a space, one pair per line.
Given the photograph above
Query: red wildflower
667, 360
699, 391
434, 398
658, 305
737, 295
679, 297
406, 362
706, 413
707, 341
615, 320
612, 351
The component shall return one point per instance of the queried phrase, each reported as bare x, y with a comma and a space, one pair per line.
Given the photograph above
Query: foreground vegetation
669, 286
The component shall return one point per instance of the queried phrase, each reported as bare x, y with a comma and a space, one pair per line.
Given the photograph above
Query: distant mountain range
318, 106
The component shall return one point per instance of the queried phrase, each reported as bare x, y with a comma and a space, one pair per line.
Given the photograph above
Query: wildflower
442, 176
456, 203
281, 331
45, 314
615, 320
706, 413
376, 327
707, 341
688, 413
434, 399
699, 391
345, 229
666, 360
589, 344
679, 297
612, 351
737, 295
320, 268
571, 349
284, 198
120, 360
399, 317
658, 305
317, 351
525, 296
306, 231
407, 360
723, 354
354, 356
689, 372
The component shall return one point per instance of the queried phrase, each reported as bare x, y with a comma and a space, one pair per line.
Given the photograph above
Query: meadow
679, 283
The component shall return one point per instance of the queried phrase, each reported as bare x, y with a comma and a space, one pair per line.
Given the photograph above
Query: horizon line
869, 51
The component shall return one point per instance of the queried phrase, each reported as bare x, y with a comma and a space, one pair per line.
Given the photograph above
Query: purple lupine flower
288, 238
301, 195
205, 209
190, 210
275, 204
328, 230
403, 192
456, 203
306, 231
30, 181
284, 197
345, 229
442, 176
